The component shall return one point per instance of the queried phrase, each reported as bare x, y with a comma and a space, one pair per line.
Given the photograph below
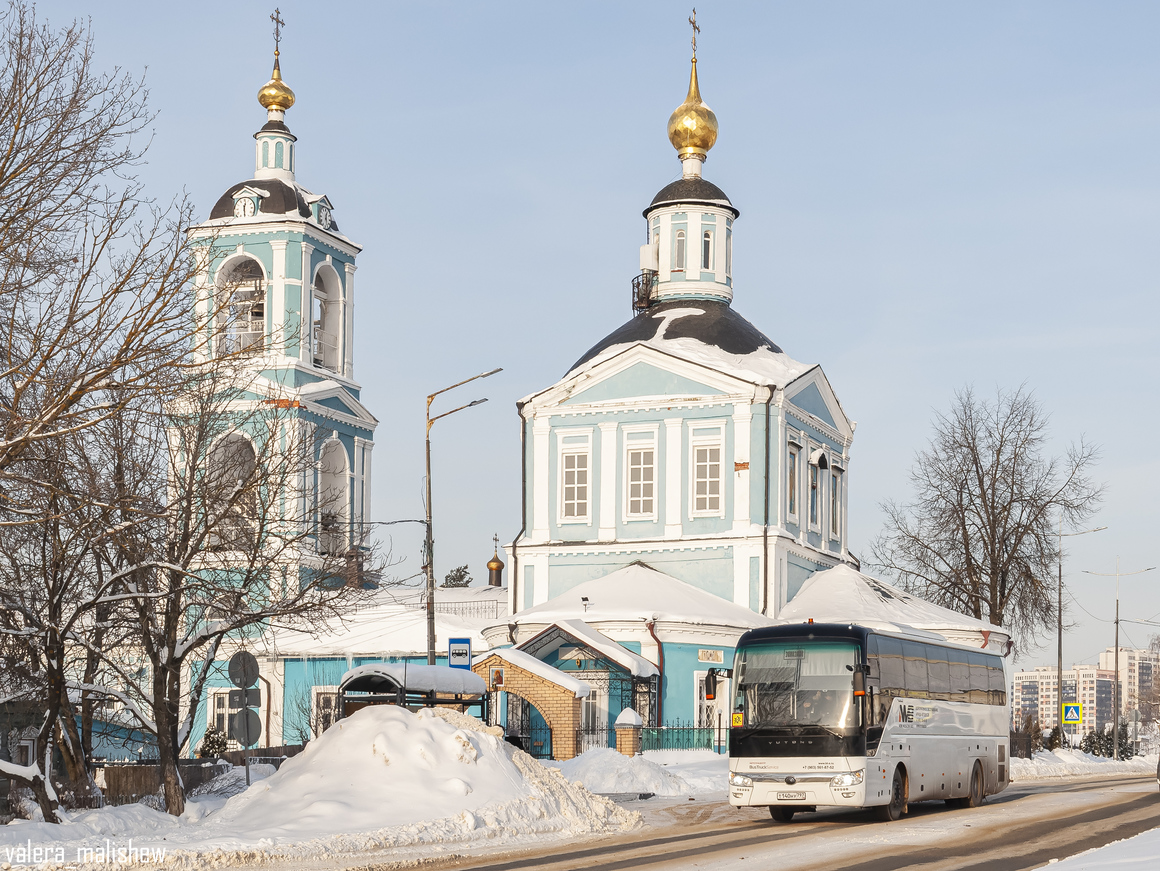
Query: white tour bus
848, 716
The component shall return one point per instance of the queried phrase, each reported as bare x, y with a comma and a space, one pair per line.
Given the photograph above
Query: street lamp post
1116, 682
430, 543
1059, 615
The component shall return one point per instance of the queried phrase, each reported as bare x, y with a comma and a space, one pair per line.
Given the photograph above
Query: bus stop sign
1072, 713
459, 653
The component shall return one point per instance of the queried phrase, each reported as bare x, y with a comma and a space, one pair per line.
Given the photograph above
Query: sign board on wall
459, 653
715, 656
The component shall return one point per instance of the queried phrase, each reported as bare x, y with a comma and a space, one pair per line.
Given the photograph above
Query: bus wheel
897, 805
781, 814
975, 797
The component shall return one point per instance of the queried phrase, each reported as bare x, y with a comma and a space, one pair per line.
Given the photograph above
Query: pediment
812, 395
641, 379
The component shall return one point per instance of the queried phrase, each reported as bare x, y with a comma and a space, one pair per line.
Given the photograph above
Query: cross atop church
279, 24
696, 30
495, 539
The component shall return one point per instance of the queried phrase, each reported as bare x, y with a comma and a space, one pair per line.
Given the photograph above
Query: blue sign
459, 653
1072, 714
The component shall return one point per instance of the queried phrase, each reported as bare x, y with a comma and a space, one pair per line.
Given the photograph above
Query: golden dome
275, 94
693, 126
495, 564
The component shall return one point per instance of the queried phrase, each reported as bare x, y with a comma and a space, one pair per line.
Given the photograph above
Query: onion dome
495, 564
693, 126
276, 95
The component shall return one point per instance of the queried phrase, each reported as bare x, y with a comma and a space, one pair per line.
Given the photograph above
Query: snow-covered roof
640, 592
540, 669
636, 664
844, 595
420, 678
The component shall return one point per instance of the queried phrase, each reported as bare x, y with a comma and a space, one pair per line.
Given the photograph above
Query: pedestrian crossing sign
1073, 714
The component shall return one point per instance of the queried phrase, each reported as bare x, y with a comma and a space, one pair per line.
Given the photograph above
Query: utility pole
1059, 615
1116, 682
429, 545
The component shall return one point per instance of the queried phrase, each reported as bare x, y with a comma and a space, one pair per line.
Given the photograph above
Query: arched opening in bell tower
326, 318
333, 498
241, 307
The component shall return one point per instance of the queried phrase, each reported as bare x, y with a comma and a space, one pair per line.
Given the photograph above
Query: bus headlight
736, 779
853, 778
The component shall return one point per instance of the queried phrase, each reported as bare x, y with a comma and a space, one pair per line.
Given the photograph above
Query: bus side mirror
859, 683
711, 685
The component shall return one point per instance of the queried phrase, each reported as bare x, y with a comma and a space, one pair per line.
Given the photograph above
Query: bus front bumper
833, 789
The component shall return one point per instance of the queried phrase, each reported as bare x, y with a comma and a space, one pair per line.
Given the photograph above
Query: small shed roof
390, 676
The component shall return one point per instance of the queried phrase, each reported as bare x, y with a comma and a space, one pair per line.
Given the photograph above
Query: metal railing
685, 736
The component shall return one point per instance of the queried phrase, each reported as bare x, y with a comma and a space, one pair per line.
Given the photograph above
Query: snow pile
604, 770
1134, 854
382, 778
661, 772
1076, 763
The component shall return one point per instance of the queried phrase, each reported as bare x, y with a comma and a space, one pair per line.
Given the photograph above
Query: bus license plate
791, 796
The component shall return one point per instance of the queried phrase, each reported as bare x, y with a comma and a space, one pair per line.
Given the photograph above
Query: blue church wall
758, 480
798, 572
678, 693
709, 568
641, 379
113, 742
810, 399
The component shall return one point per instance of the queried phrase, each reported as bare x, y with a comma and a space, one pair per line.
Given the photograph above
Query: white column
347, 341
278, 296
308, 502
368, 448
357, 478
742, 418
693, 247
609, 459
306, 327
674, 460
665, 247
541, 430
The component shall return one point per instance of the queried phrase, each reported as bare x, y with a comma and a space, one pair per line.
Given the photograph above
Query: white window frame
680, 250
637, 438
700, 439
835, 506
793, 482
815, 496
568, 444
315, 695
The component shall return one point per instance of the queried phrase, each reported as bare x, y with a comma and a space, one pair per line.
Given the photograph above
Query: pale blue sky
931, 195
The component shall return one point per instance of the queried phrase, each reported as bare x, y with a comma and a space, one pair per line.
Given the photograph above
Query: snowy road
1025, 827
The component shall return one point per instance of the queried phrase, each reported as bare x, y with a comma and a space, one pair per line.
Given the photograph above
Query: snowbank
382, 778
1134, 854
663, 773
1075, 763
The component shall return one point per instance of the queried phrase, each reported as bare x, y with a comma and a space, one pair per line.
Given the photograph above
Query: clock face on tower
324, 217
244, 207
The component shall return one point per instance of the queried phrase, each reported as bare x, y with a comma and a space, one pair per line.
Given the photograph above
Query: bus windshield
796, 683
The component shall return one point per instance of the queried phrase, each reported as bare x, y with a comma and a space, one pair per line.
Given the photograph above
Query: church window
574, 483
278, 147
815, 495
326, 312
728, 252
333, 498
641, 481
835, 502
707, 250
241, 314
231, 495
707, 479
791, 484
265, 153
679, 252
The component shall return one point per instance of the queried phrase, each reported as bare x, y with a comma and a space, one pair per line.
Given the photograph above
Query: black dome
719, 326
283, 199
695, 191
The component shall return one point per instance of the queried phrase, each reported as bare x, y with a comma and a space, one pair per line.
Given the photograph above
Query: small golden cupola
274, 153
693, 126
495, 566
275, 95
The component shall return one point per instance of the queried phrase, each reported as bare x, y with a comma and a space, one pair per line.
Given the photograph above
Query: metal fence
685, 736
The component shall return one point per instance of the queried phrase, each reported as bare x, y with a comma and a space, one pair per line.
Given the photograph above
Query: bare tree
980, 534
92, 276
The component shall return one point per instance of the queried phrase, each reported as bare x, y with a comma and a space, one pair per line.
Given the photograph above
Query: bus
836, 715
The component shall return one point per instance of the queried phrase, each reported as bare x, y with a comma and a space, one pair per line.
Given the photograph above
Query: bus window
797, 683
997, 682
939, 671
960, 675
892, 676
917, 686
980, 679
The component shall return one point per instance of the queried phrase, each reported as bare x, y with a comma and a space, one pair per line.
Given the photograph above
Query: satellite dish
243, 669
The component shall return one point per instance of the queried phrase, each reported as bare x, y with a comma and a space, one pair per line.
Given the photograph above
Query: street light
1116, 682
430, 544
1059, 614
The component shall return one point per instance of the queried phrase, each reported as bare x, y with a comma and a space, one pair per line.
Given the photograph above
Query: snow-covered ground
382, 778
663, 772
1141, 853
1075, 763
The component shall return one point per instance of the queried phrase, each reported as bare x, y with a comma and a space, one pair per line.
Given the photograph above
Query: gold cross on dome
495, 538
278, 25
696, 30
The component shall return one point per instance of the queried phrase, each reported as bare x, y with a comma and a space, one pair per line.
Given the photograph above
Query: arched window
231, 493
241, 314
333, 499
278, 148
707, 250
265, 153
326, 315
729, 253
679, 252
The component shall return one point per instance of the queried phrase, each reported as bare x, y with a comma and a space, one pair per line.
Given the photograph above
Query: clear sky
932, 195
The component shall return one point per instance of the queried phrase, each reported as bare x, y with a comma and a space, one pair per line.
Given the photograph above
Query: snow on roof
640, 592
637, 665
541, 669
391, 626
844, 595
421, 678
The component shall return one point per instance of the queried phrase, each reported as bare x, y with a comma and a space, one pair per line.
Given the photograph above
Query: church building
685, 439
